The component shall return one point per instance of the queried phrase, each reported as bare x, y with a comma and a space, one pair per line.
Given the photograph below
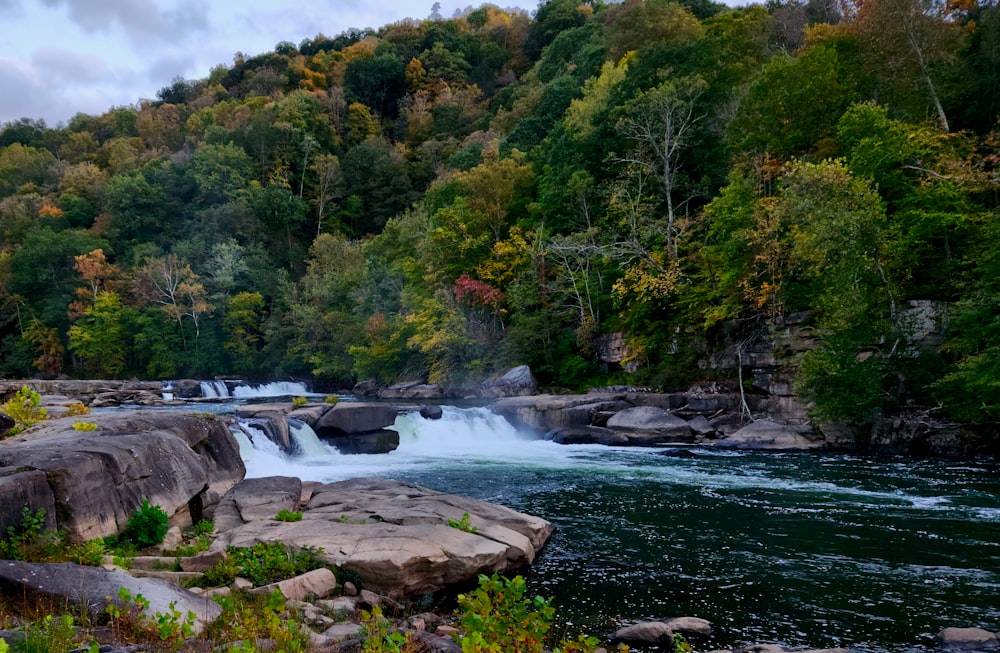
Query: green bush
264, 563
288, 515
299, 402
25, 408
147, 526
31, 541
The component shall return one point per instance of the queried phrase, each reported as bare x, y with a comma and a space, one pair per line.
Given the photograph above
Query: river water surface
800, 550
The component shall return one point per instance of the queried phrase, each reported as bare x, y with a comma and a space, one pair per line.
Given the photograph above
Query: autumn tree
660, 124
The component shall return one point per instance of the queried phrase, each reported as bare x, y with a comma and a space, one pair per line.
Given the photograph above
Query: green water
793, 549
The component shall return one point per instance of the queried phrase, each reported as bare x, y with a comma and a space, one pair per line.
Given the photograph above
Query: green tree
100, 336
243, 326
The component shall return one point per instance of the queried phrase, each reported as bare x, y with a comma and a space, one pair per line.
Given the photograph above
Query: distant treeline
445, 198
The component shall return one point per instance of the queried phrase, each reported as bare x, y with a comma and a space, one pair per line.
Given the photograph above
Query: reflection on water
796, 549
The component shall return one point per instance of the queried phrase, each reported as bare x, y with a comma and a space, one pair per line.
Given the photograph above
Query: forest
441, 199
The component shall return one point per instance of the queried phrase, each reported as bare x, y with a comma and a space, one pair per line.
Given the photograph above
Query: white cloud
54, 63
141, 20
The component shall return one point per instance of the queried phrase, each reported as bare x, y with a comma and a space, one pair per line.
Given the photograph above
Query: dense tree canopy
441, 198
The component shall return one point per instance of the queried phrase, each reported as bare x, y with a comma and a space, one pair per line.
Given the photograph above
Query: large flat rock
646, 425
92, 589
766, 435
396, 536
96, 479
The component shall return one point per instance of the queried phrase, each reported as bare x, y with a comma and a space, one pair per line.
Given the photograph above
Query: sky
62, 57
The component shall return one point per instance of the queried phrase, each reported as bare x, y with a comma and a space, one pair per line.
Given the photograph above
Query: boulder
20, 489
515, 382
431, 412
6, 423
646, 632
257, 499
585, 435
96, 479
967, 639
92, 589
315, 584
396, 536
311, 414
645, 425
186, 388
350, 418
763, 434
366, 388
690, 626
274, 425
545, 412
412, 390
381, 441
701, 427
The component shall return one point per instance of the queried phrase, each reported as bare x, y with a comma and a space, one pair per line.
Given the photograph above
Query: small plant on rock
463, 524
251, 617
379, 636
49, 635
299, 402
204, 527
332, 400
84, 426
78, 408
25, 408
31, 541
147, 526
288, 515
496, 617
264, 563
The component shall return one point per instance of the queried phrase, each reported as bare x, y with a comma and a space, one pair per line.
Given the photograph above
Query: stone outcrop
91, 589
354, 418
411, 390
108, 393
96, 479
397, 536
649, 425
515, 382
968, 639
764, 434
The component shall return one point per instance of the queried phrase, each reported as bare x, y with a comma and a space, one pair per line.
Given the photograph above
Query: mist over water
815, 550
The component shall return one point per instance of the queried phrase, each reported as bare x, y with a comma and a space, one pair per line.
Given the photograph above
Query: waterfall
306, 441
214, 390
274, 389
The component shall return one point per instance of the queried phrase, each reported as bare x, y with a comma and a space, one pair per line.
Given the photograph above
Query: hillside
441, 199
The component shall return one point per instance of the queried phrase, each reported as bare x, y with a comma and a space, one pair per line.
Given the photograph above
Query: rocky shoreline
400, 541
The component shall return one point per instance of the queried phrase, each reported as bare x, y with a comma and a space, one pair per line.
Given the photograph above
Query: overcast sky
61, 57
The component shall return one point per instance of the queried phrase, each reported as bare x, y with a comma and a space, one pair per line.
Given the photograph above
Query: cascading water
274, 389
221, 390
815, 550
214, 390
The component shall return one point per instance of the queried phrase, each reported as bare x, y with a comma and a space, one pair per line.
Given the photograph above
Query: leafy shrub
25, 408
299, 402
77, 408
495, 617
147, 526
463, 524
90, 553
50, 635
379, 638
264, 563
84, 426
204, 527
251, 617
332, 400
31, 541
288, 515
130, 621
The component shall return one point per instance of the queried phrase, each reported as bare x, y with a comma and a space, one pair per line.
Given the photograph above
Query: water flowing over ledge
796, 549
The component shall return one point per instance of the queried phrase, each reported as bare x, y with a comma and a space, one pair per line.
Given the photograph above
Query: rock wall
91, 481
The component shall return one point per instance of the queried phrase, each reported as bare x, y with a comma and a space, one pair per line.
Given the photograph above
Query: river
800, 550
